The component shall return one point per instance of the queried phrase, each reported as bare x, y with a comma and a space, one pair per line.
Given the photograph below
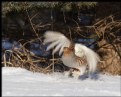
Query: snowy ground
20, 82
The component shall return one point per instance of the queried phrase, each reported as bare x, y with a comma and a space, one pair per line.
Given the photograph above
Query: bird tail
92, 57
57, 41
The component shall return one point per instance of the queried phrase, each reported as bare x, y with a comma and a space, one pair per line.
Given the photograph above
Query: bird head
68, 51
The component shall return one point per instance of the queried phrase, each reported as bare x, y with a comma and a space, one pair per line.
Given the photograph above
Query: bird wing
91, 56
57, 41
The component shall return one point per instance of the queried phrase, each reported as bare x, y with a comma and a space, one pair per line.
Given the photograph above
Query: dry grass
104, 29
109, 42
22, 57
111, 62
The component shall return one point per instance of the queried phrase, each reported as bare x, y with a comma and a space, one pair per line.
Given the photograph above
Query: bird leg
74, 72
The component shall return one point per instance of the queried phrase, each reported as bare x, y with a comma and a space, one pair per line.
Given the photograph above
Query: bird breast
68, 61
73, 61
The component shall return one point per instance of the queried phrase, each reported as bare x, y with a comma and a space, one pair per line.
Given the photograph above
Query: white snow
20, 82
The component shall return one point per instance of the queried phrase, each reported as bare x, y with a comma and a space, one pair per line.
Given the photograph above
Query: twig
33, 26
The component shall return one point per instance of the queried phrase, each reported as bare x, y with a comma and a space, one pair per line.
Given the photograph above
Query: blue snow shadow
94, 76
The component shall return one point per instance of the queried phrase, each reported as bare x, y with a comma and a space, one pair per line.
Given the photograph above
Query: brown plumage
74, 61
75, 55
70, 51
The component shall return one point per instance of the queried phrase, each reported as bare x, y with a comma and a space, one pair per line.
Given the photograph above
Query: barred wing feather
57, 40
